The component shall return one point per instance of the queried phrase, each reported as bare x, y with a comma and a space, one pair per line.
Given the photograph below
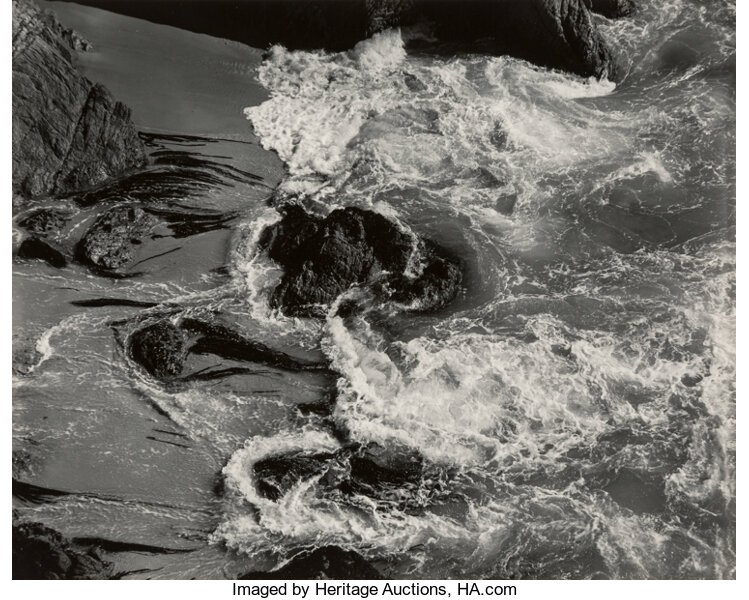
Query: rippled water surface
576, 402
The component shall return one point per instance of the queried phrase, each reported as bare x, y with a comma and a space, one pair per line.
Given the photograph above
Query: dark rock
498, 137
36, 248
160, 348
68, 133
328, 562
222, 341
384, 14
322, 258
563, 350
374, 464
276, 475
111, 242
366, 469
691, 380
43, 553
25, 354
555, 33
45, 221
437, 284
413, 83
612, 8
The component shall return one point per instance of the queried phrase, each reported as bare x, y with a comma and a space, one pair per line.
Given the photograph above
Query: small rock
413, 83
111, 242
691, 380
563, 350
160, 348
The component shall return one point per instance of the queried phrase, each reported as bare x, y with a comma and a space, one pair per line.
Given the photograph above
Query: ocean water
575, 405
596, 220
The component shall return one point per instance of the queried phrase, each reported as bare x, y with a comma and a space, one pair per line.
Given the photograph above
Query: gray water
576, 402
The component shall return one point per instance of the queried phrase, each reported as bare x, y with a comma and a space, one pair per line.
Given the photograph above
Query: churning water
575, 405
579, 399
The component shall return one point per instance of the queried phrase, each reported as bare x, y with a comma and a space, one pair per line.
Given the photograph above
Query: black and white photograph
413, 292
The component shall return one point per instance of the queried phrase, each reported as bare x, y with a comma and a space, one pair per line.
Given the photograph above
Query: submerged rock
328, 562
37, 248
68, 133
110, 243
322, 258
161, 348
43, 553
506, 204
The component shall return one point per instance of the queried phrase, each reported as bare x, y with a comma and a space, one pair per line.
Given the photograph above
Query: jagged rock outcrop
554, 33
43, 553
68, 133
328, 562
322, 258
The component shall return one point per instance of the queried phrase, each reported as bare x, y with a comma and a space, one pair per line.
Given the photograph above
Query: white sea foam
512, 384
